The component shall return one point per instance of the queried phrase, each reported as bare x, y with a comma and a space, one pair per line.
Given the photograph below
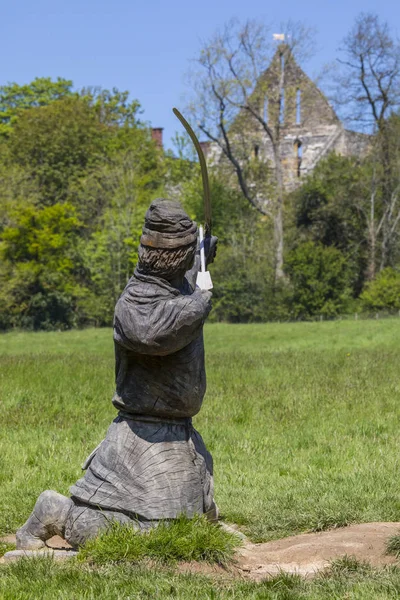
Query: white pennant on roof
279, 37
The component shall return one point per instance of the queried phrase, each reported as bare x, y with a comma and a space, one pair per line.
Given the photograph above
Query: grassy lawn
302, 421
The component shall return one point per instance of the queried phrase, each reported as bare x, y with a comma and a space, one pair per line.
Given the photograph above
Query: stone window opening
298, 153
265, 110
256, 150
298, 107
282, 108
282, 98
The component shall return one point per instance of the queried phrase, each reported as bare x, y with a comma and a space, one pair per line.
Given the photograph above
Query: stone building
307, 125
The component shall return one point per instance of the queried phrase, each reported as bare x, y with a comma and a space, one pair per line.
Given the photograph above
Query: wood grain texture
155, 470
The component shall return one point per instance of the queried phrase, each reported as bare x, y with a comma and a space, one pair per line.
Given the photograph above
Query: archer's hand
210, 248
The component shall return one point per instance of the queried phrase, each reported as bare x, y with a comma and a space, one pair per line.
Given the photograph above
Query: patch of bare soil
56, 542
56, 546
8, 539
309, 553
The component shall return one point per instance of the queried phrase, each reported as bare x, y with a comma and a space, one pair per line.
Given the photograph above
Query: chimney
156, 135
205, 146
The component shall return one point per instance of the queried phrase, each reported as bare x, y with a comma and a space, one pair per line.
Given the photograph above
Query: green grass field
302, 421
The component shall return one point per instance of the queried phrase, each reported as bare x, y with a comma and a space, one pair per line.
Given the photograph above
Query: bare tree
368, 94
369, 77
235, 106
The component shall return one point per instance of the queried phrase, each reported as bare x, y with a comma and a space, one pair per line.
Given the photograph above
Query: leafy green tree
244, 277
16, 190
88, 153
41, 273
113, 107
320, 280
323, 210
57, 144
15, 98
125, 188
331, 209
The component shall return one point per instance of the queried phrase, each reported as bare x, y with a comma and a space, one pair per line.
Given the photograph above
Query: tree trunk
385, 248
387, 194
371, 268
278, 237
278, 218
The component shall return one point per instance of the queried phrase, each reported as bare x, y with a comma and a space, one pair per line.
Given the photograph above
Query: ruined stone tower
300, 115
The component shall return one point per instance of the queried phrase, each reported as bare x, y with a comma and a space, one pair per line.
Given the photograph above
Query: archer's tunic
159, 349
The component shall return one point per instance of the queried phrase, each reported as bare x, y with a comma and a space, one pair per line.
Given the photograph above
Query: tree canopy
40, 92
79, 169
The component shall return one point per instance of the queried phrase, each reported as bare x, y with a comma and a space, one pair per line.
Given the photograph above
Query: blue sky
146, 46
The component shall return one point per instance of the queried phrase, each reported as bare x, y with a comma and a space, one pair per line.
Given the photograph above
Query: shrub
320, 280
384, 292
182, 539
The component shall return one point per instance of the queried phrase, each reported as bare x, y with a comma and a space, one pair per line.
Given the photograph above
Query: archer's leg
47, 519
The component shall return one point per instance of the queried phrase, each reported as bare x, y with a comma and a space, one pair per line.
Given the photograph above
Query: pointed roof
301, 96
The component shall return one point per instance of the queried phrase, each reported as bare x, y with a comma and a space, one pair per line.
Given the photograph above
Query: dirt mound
309, 553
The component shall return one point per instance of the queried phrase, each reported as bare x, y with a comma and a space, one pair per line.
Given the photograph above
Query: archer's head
168, 242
